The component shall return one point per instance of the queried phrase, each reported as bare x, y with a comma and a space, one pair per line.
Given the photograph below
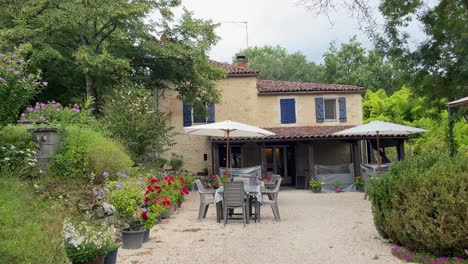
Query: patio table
254, 192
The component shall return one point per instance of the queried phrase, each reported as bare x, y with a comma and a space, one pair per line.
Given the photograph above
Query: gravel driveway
314, 228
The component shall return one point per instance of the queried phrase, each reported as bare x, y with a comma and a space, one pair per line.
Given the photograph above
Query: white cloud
274, 22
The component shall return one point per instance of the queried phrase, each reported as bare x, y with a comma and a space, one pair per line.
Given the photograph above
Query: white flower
7, 158
22, 152
12, 147
3, 148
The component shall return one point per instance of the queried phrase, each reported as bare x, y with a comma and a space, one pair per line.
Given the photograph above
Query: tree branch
114, 27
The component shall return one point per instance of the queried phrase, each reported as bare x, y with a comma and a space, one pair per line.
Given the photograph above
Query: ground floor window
235, 156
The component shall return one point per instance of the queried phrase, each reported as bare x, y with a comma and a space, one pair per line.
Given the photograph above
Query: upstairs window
194, 116
330, 109
288, 111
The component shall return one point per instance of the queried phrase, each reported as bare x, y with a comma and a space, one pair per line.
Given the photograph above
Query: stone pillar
47, 141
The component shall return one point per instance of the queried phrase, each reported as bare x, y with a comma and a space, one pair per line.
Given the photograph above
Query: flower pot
337, 190
316, 190
98, 260
360, 188
146, 236
111, 257
132, 239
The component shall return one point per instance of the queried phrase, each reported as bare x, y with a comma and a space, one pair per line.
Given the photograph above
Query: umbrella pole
378, 155
227, 154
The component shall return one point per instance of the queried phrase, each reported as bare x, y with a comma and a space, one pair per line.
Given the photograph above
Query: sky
274, 22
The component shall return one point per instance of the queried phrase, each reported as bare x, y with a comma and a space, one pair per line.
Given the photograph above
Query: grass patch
30, 227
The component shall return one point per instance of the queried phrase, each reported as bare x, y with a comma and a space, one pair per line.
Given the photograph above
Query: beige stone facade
241, 102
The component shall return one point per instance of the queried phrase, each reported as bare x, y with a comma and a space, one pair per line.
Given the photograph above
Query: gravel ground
314, 228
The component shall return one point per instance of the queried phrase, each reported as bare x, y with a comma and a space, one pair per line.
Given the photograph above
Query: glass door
277, 162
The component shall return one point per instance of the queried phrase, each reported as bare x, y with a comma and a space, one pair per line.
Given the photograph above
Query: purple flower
139, 182
30, 109
57, 109
76, 110
408, 256
119, 186
2, 55
124, 175
105, 174
16, 73
9, 69
45, 83
144, 210
14, 56
23, 115
2, 80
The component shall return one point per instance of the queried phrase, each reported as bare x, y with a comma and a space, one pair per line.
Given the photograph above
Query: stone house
302, 115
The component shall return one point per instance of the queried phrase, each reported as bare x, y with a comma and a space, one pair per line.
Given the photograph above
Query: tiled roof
302, 132
275, 87
463, 102
235, 70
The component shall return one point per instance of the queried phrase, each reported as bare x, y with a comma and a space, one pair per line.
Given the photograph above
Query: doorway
280, 161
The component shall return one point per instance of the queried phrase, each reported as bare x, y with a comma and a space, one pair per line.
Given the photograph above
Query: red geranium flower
144, 215
182, 180
166, 178
166, 201
184, 191
146, 200
154, 180
150, 188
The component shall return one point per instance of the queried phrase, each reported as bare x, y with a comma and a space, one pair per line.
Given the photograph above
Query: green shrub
176, 162
30, 228
422, 204
85, 152
132, 117
18, 152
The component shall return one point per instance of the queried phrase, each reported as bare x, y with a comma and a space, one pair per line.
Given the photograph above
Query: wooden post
401, 149
310, 163
263, 159
356, 158
215, 158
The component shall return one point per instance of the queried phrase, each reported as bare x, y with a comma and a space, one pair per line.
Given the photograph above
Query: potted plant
316, 185
127, 198
266, 182
359, 184
337, 186
111, 257
86, 243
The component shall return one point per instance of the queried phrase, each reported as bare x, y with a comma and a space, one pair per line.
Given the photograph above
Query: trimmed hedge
422, 204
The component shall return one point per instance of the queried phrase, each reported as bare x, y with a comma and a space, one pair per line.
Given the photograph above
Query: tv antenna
240, 22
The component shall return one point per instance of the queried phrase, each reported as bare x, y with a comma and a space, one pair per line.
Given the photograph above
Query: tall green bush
85, 152
131, 116
422, 204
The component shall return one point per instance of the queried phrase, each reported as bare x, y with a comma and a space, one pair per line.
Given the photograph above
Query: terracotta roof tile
235, 70
301, 132
275, 87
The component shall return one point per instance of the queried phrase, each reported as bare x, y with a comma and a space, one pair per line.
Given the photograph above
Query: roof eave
242, 75
311, 92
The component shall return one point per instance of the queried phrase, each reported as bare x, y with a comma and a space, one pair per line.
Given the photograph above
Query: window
194, 115
288, 111
199, 116
330, 109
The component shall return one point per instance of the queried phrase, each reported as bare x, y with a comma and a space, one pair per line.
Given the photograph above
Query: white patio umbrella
380, 128
227, 129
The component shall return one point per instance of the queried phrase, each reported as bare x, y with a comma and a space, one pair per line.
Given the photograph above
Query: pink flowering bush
52, 112
17, 86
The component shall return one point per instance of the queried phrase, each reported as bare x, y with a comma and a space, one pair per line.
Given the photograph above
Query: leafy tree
275, 63
89, 46
353, 64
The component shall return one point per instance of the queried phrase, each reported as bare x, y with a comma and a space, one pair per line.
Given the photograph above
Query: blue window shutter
187, 114
288, 111
211, 113
342, 107
319, 110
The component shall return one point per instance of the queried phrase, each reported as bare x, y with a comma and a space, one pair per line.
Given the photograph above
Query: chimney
241, 61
